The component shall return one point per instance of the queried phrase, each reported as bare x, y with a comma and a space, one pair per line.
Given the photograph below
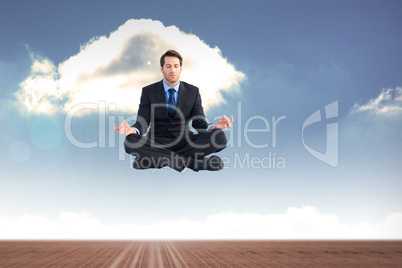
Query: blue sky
256, 60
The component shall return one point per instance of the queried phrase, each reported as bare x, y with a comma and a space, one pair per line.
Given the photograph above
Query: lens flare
46, 133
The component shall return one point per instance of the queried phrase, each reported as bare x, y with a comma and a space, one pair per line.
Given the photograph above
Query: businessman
166, 109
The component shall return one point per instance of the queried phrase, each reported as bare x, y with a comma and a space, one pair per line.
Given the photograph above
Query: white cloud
296, 223
115, 68
388, 102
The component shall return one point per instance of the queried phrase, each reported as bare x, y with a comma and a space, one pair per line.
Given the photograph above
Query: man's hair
171, 53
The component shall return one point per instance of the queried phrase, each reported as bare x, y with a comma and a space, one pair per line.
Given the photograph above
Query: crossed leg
176, 154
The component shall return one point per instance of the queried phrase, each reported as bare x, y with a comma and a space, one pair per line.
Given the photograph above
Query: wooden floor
200, 254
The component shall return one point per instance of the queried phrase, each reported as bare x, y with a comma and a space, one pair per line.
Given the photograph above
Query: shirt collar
166, 87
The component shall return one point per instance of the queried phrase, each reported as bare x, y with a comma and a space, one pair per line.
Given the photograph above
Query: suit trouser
175, 152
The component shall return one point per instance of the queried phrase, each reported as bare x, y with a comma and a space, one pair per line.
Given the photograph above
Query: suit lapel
160, 97
182, 97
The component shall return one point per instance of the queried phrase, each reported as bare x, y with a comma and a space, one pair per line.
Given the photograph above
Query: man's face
171, 70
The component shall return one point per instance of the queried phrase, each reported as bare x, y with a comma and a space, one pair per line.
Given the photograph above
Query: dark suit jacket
153, 110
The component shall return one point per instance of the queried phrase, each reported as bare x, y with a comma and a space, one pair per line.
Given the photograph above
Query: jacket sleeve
143, 114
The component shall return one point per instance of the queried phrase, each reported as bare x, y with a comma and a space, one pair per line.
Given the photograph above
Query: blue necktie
171, 103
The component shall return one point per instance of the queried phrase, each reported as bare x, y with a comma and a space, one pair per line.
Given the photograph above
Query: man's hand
223, 123
125, 129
